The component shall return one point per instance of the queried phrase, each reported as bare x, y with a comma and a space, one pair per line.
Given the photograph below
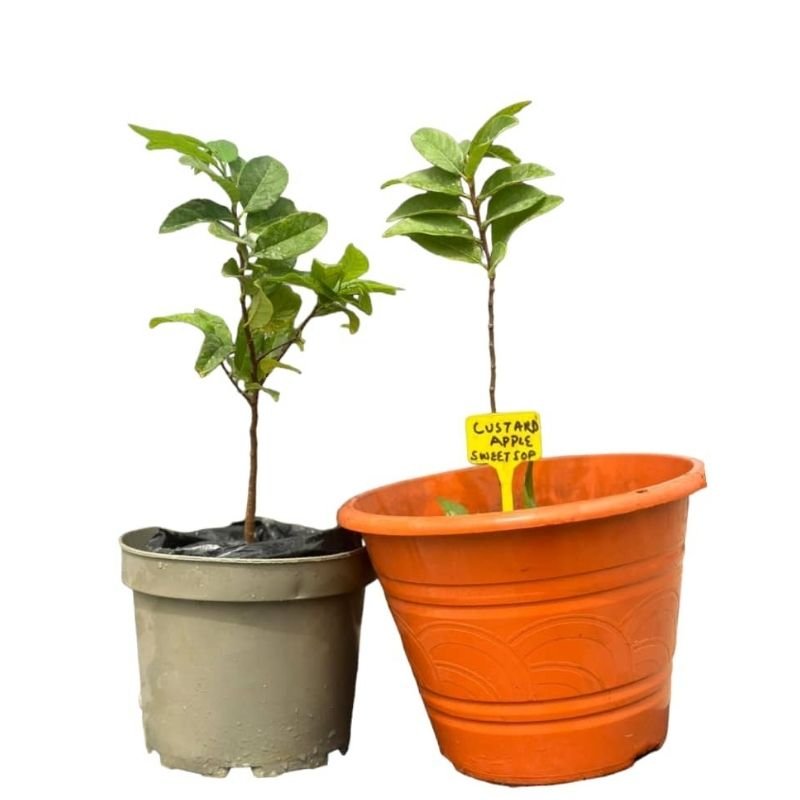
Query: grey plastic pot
245, 662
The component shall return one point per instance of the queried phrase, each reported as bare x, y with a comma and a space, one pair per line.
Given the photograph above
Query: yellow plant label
504, 441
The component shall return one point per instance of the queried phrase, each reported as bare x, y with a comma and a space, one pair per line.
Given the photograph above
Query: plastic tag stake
503, 442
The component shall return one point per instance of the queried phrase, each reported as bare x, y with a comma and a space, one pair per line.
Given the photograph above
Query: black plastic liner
273, 540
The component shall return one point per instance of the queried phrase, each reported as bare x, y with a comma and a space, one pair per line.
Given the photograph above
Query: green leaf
488, 132
230, 269
291, 235
242, 366
450, 508
427, 203
256, 220
483, 141
499, 250
179, 142
260, 312
379, 288
503, 153
261, 182
285, 305
271, 269
230, 188
236, 166
267, 365
528, 493
439, 148
224, 232
432, 179
504, 227
450, 247
224, 150
272, 393
192, 212
217, 341
361, 300
353, 263
506, 176
353, 321
513, 199
514, 108
433, 224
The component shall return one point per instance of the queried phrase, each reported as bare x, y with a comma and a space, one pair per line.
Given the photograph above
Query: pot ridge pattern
542, 644
544, 659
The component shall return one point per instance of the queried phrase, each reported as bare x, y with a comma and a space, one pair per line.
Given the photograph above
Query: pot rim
350, 516
141, 552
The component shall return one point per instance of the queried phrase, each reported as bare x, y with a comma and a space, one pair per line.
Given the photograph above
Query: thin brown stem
234, 381
250, 512
476, 210
251, 396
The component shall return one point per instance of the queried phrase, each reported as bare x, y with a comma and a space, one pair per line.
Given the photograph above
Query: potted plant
541, 637
248, 634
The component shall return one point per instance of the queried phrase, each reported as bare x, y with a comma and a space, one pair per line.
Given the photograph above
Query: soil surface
273, 540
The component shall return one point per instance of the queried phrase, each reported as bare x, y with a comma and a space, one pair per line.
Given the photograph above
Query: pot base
214, 769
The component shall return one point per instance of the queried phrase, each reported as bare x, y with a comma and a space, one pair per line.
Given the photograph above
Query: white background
656, 310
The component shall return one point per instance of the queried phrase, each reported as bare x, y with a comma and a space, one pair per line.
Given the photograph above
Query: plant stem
250, 512
492, 359
251, 396
476, 210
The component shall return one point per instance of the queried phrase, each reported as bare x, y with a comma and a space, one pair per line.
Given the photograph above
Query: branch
234, 381
282, 349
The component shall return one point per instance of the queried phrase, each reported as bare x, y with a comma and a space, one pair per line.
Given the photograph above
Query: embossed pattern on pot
543, 654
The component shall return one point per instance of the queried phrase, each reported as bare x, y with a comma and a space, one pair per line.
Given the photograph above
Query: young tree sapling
267, 234
454, 218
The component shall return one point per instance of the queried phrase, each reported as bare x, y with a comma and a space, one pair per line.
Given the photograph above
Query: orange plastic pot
541, 639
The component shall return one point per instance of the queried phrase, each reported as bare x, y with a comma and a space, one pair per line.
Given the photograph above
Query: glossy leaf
450, 508
428, 203
230, 269
224, 232
504, 227
483, 141
353, 321
354, 263
291, 236
285, 305
224, 150
179, 142
503, 153
260, 312
512, 200
261, 183
217, 340
267, 365
432, 224
272, 268
192, 212
256, 220
242, 366
450, 247
506, 176
432, 179
236, 166
499, 250
378, 288
439, 148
